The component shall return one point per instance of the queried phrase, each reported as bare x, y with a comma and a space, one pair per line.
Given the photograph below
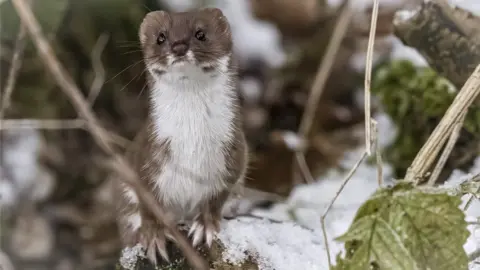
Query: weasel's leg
207, 223
152, 236
137, 226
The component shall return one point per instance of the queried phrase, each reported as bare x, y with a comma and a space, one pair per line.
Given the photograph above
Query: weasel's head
200, 39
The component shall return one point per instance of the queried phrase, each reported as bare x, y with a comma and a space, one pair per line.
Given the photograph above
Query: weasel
192, 150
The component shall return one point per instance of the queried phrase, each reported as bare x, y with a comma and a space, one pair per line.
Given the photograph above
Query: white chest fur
196, 115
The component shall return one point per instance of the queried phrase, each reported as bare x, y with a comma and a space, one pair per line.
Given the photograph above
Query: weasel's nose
180, 49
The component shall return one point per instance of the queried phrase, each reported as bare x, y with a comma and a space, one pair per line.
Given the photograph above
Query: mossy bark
447, 37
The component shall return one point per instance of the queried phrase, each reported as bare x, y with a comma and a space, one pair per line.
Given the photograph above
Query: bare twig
324, 69
428, 153
41, 124
323, 73
447, 151
98, 67
302, 163
53, 124
476, 177
342, 186
15, 65
121, 166
474, 255
368, 77
249, 215
377, 153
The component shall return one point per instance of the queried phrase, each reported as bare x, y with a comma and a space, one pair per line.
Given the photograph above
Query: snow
19, 169
130, 256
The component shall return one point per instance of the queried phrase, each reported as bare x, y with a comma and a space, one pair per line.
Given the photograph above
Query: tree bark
447, 37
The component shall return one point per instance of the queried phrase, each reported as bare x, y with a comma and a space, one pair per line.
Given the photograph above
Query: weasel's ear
219, 19
151, 22
214, 11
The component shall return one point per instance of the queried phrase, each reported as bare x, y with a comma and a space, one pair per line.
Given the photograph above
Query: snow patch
296, 248
130, 256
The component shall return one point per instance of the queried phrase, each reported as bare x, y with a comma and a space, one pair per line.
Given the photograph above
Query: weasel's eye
200, 35
161, 38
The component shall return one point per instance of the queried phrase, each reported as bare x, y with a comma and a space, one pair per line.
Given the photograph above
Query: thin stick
302, 163
377, 153
98, 68
124, 170
41, 124
53, 124
325, 67
476, 177
15, 65
447, 151
429, 151
474, 255
342, 186
323, 73
368, 77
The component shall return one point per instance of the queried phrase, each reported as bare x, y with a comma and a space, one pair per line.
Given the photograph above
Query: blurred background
52, 175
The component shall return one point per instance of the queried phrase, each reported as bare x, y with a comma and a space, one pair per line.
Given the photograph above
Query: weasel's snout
180, 49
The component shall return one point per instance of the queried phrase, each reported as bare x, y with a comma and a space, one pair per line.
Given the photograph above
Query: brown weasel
192, 149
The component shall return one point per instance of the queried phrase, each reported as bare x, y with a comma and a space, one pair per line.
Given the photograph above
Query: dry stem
324, 69
476, 177
447, 151
121, 166
98, 68
474, 255
342, 186
14, 69
377, 153
302, 164
323, 73
427, 154
368, 77
41, 124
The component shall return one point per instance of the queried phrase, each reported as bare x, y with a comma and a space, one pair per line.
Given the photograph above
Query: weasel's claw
151, 253
203, 231
154, 241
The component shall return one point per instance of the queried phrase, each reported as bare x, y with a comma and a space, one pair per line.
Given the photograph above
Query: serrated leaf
432, 227
381, 245
426, 230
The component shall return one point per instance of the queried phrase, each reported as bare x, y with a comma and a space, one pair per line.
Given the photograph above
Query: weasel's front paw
204, 227
153, 238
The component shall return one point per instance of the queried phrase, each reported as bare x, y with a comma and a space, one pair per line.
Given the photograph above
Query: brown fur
180, 28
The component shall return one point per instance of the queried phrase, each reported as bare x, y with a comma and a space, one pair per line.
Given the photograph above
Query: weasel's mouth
180, 60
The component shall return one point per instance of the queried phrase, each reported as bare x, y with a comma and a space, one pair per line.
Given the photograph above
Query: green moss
416, 99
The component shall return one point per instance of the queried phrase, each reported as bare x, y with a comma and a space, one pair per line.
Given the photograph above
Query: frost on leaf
404, 228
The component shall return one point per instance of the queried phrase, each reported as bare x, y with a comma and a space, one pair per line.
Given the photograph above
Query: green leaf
381, 245
404, 228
